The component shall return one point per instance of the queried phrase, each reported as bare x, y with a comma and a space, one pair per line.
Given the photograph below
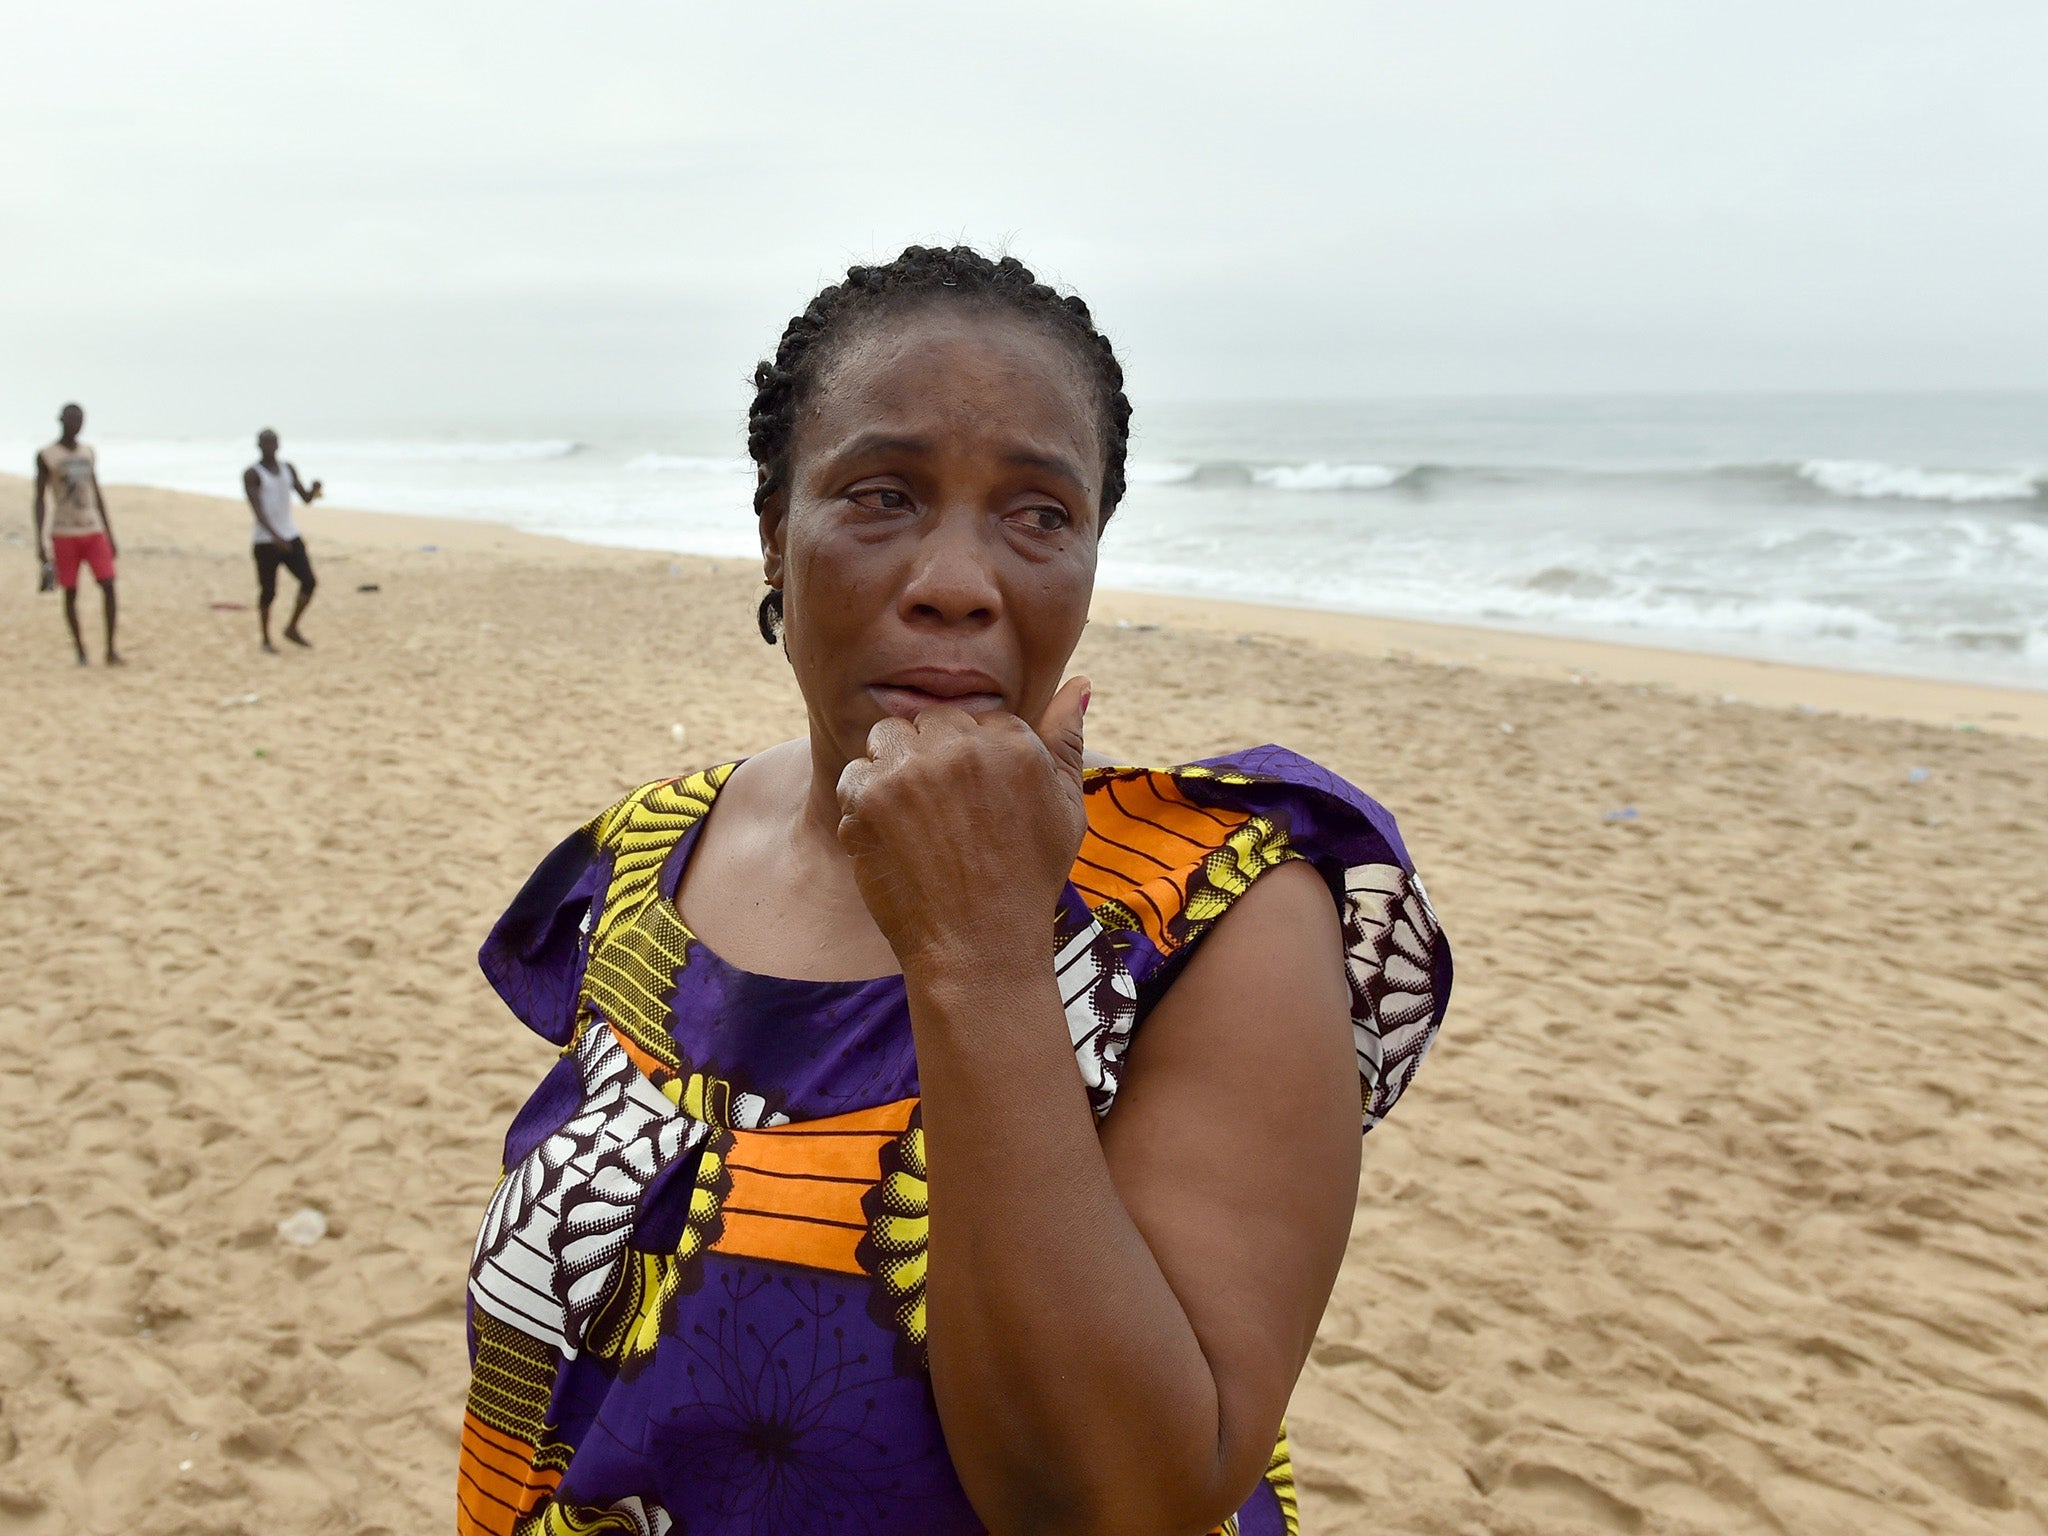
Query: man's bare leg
107, 603
291, 630
71, 618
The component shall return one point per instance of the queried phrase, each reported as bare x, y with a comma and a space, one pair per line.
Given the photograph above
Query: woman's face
938, 542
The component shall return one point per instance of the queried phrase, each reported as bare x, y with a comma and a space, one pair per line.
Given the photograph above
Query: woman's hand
963, 828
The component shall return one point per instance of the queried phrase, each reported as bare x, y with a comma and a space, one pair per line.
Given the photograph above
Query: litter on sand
229, 607
1918, 775
238, 700
304, 1227
1626, 813
369, 586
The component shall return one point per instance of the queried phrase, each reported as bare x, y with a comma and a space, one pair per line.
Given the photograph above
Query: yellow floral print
1228, 871
639, 1307
629, 1517
899, 1230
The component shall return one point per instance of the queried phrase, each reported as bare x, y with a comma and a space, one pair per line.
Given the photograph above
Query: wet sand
1718, 1208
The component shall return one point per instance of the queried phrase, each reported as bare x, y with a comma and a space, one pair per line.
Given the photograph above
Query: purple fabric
775, 1410
553, 1102
1290, 771
776, 1398
534, 955
813, 1049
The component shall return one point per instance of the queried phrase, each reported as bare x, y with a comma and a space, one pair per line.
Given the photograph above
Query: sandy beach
1718, 1208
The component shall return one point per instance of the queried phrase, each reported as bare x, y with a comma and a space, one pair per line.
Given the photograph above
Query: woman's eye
1045, 519
881, 498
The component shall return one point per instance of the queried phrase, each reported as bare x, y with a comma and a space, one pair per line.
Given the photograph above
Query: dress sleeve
1168, 852
535, 953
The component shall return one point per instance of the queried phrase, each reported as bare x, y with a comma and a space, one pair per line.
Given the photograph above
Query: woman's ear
773, 513
771, 521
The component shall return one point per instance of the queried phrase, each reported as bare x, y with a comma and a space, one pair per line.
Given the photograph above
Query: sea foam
685, 463
1156, 472
478, 452
1868, 480
1329, 477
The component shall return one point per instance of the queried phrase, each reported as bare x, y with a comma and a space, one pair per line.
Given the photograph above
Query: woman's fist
963, 828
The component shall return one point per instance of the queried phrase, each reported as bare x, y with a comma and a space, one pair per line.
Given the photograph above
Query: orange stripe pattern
1146, 842
498, 1485
797, 1189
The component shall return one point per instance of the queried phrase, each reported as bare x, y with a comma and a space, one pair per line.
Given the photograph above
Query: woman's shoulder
1169, 850
658, 809
535, 953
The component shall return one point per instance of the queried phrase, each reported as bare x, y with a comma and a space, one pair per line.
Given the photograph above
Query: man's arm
256, 503
106, 517
309, 497
42, 484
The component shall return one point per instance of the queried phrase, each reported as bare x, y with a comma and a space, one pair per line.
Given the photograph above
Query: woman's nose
953, 578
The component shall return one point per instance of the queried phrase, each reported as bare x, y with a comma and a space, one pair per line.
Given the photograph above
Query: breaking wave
1847, 479
1147, 472
1316, 476
1329, 477
1868, 480
685, 463
447, 451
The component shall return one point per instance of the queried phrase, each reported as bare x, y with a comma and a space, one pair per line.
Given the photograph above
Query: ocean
1886, 533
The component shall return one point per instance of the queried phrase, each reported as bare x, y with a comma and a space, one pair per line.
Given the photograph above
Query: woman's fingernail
1086, 695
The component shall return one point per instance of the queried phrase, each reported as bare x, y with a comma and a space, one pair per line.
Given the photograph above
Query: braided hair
920, 275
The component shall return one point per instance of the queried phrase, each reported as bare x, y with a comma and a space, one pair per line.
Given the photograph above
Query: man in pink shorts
79, 530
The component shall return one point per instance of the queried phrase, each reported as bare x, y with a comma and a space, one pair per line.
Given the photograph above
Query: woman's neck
821, 813
768, 886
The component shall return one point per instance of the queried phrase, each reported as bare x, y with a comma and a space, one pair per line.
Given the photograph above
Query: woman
953, 1130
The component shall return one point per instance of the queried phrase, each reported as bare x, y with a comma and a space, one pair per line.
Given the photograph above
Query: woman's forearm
1075, 1394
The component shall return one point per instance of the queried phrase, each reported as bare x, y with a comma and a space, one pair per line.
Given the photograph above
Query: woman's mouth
909, 693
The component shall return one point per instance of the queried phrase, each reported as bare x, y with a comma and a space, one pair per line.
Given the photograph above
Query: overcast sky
452, 212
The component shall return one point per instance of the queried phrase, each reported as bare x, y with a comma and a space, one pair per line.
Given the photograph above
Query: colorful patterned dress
696, 1306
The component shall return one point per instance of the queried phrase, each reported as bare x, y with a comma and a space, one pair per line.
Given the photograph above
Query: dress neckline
670, 885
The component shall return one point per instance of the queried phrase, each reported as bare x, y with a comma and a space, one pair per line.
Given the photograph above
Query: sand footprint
1944, 1459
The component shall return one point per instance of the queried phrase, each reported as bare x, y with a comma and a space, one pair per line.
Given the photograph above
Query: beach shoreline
1714, 675
1558, 658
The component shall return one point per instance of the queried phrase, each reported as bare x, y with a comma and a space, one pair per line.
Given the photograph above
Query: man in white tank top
275, 539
